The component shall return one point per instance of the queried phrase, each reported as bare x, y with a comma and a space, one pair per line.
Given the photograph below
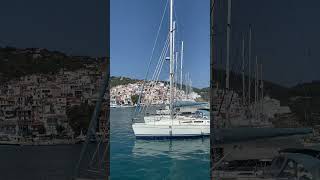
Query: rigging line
162, 62
152, 53
158, 76
180, 34
156, 79
160, 58
158, 70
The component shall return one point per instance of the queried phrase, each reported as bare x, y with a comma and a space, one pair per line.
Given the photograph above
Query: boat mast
228, 45
189, 80
261, 86
256, 87
190, 86
186, 84
181, 65
176, 76
249, 64
228, 59
174, 54
171, 59
243, 80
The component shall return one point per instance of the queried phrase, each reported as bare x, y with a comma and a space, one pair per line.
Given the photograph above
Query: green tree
134, 99
59, 129
79, 117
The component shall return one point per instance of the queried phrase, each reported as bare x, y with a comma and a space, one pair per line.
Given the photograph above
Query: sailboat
243, 127
173, 124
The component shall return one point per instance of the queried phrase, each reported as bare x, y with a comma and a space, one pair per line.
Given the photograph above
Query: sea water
136, 159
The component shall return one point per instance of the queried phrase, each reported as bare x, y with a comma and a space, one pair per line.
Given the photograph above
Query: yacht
289, 164
113, 104
172, 124
177, 126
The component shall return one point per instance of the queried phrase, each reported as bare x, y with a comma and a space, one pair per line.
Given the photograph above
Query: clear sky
285, 37
134, 25
78, 27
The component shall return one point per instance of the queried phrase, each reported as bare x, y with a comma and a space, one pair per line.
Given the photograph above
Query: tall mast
181, 64
176, 75
249, 64
228, 45
173, 51
186, 83
256, 85
174, 61
261, 86
243, 80
171, 59
228, 60
190, 86
255, 81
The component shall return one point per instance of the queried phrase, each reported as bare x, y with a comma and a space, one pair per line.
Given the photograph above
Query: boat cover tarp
189, 103
228, 135
309, 163
306, 151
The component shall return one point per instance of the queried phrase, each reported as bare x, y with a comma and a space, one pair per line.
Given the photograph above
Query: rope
151, 57
155, 78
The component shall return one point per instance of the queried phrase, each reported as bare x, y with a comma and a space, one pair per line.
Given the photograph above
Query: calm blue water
154, 159
39, 162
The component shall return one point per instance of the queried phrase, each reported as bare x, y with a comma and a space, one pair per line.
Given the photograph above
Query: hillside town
152, 93
36, 105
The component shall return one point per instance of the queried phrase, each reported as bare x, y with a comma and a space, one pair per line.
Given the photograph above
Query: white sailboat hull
162, 126
147, 130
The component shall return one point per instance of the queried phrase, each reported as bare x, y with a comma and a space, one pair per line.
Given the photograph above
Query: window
187, 122
198, 121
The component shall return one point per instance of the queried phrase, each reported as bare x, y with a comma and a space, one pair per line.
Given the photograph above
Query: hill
15, 63
272, 89
116, 81
303, 99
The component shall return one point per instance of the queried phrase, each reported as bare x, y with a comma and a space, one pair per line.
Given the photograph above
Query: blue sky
133, 28
77, 27
285, 37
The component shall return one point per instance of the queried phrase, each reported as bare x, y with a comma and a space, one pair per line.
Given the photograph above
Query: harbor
260, 128
154, 159
159, 103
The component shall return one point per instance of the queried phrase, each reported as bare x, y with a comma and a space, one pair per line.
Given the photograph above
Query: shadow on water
39, 162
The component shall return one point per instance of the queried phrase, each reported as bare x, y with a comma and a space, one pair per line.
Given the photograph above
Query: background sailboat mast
171, 59
174, 51
176, 76
256, 86
261, 86
228, 59
243, 80
186, 83
181, 65
228, 45
249, 66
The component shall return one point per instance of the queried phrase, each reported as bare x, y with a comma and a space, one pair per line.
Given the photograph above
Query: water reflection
180, 149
